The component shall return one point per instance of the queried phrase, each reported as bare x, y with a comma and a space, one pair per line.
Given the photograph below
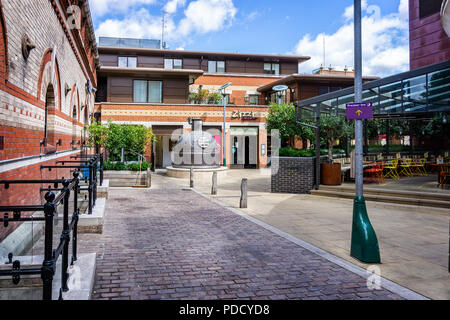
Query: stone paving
175, 244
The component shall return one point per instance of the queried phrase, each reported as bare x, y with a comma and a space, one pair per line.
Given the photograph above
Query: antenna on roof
163, 27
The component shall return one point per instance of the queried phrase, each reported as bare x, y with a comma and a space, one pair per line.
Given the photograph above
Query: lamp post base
364, 244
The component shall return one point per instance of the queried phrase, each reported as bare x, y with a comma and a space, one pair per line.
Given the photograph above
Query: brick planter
295, 175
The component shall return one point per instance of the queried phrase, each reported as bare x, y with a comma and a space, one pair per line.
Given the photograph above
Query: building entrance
244, 146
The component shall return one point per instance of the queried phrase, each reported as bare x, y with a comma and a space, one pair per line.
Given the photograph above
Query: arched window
49, 104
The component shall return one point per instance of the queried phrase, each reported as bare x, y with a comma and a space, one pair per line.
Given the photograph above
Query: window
253, 99
173, 64
272, 68
429, 7
145, 91
127, 62
216, 66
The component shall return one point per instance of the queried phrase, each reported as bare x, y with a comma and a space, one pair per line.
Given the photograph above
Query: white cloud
200, 17
203, 16
101, 7
172, 6
140, 24
385, 42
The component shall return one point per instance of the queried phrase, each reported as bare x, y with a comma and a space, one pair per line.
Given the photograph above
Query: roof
313, 78
151, 71
268, 57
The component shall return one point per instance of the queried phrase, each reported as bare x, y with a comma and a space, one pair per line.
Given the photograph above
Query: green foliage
200, 96
282, 117
291, 152
120, 166
333, 127
133, 138
97, 134
214, 98
436, 126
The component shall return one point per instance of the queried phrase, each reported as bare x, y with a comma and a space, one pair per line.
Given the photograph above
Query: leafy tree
214, 98
132, 138
282, 117
97, 134
333, 127
200, 96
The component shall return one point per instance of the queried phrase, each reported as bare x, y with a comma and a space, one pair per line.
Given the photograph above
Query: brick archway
3, 48
44, 78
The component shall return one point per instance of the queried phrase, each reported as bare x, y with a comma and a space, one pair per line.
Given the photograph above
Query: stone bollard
148, 182
191, 177
214, 184
244, 189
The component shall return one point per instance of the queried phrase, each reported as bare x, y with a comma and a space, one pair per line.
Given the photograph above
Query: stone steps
401, 197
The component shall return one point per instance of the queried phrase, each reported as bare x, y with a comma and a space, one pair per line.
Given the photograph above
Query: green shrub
108, 165
120, 166
291, 152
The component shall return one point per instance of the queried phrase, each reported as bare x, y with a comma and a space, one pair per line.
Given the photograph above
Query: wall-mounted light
444, 120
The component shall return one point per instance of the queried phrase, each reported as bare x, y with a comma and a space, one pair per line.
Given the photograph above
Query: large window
145, 91
173, 64
272, 68
127, 62
216, 66
429, 7
253, 99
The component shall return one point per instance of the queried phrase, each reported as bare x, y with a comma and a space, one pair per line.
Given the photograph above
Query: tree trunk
330, 150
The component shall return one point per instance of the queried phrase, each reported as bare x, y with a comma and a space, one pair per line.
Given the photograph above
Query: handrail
51, 257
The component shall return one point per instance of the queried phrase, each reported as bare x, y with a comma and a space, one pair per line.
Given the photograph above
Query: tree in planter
332, 128
132, 138
282, 117
214, 98
97, 135
200, 96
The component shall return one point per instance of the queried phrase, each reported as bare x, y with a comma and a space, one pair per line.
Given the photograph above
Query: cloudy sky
268, 26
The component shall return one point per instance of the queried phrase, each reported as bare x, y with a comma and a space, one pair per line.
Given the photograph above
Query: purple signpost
359, 111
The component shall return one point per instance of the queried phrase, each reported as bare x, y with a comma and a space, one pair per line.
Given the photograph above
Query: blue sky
267, 26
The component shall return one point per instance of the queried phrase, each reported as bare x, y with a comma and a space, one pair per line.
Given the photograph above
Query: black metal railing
91, 156
48, 269
89, 166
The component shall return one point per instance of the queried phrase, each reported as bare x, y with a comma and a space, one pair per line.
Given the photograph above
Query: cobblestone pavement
175, 244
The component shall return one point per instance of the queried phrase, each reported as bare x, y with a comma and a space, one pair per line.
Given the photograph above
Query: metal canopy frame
395, 92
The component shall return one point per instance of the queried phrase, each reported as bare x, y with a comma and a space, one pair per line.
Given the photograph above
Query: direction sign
359, 111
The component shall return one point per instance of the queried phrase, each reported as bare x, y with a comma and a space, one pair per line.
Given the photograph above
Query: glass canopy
413, 94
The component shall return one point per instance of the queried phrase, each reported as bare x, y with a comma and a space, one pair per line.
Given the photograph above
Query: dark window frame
146, 91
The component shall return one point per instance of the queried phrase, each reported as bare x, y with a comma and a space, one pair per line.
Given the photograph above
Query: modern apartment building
138, 83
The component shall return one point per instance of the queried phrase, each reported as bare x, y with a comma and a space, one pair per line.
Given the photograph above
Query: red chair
375, 172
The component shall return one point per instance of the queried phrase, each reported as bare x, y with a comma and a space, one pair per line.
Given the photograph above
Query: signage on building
236, 114
359, 111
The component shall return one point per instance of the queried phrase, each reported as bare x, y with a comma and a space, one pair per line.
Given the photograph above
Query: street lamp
222, 92
278, 90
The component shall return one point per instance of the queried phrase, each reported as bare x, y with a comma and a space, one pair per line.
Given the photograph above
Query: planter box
330, 174
125, 178
292, 175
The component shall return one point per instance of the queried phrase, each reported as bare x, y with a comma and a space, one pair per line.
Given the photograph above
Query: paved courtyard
175, 244
414, 241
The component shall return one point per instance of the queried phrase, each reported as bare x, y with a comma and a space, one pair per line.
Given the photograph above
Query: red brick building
48, 62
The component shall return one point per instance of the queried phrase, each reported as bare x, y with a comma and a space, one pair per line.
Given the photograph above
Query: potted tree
332, 128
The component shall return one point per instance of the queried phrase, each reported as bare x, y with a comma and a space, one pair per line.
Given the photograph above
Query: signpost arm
364, 243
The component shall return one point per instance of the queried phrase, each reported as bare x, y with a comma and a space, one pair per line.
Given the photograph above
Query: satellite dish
280, 88
445, 16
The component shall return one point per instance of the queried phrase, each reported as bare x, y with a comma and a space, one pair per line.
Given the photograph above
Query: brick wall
295, 175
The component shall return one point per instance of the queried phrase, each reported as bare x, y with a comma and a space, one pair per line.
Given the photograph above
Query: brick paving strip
176, 244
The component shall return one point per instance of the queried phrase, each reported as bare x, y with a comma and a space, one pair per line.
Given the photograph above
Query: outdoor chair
391, 167
375, 172
444, 175
418, 165
405, 166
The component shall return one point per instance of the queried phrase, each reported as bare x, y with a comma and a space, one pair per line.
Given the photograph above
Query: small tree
97, 135
282, 117
333, 127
